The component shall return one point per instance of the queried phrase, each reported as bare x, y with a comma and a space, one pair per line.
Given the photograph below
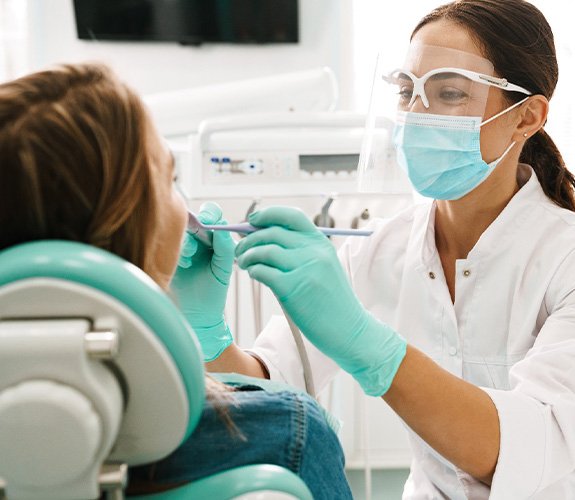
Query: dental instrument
201, 230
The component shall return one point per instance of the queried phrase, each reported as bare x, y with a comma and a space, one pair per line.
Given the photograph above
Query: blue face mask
441, 153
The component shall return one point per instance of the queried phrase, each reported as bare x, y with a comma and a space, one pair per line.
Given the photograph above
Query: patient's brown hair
73, 162
74, 165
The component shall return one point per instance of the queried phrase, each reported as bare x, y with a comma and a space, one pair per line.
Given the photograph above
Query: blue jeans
283, 428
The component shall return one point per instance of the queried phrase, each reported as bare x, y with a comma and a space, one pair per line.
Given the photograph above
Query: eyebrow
437, 76
449, 76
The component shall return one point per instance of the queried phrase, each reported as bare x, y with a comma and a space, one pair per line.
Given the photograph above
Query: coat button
452, 351
432, 275
466, 273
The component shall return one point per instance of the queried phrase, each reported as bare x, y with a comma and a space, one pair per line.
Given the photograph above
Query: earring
525, 134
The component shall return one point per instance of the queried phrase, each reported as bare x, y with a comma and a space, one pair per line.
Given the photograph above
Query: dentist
460, 313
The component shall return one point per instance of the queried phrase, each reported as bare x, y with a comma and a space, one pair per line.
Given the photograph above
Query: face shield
433, 82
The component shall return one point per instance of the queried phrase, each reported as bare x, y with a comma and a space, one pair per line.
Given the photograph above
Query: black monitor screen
188, 21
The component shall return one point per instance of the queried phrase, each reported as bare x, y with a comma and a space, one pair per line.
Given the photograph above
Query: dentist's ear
533, 116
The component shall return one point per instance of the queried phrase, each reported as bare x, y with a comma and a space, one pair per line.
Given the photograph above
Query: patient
80, 160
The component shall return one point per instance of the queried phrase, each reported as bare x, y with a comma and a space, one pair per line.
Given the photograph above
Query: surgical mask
441, 153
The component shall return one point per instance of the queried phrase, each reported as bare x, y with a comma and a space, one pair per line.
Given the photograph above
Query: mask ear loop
504, 111
495, 163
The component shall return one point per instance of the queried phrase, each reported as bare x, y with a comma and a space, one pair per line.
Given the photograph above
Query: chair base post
113, 481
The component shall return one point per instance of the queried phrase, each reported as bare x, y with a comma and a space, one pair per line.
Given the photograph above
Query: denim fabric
238, 380
282, 428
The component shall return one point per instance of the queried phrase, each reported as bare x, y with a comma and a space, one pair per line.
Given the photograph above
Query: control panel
281, 154
260, 167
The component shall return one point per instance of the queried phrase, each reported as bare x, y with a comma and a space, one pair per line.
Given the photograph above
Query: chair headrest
57, 261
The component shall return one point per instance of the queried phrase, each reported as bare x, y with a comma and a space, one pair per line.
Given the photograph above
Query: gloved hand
201, 284
293, 258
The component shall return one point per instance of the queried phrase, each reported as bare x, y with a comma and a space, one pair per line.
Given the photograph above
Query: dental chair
99, 371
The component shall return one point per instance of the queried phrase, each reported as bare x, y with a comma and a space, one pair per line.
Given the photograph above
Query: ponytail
557, 182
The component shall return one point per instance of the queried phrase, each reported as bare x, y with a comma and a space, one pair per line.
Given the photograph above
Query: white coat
511, 332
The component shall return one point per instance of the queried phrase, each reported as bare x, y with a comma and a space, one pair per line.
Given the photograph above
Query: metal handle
102, 345
113, 479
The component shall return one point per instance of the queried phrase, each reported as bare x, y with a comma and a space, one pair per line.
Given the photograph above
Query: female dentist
460, 313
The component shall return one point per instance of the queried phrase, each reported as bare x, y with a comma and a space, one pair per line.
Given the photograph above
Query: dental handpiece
203, 231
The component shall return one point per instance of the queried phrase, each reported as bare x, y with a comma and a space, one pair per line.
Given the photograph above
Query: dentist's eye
404, 94
450, 94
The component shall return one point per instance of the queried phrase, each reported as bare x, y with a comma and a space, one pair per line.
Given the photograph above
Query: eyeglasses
445, 86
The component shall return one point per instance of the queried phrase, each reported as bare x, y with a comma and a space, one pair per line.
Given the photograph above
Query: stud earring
525, 134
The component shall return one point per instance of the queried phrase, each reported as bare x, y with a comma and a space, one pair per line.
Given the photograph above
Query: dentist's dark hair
515, 36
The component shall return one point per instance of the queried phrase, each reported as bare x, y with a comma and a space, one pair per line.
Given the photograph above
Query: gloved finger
223, 256
188, 249
270, 256
189, 245
272, 235
288, 217
223, 244
184, 262
210, 213
271, 277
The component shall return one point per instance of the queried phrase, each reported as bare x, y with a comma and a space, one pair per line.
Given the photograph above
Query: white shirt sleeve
537, 416
276, 348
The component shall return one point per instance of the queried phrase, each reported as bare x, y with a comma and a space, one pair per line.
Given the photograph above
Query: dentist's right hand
300, 265
201, 284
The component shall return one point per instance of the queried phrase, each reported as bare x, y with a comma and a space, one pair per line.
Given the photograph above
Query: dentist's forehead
422, 58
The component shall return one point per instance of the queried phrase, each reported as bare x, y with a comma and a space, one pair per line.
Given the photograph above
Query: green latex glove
201, 284
301, 267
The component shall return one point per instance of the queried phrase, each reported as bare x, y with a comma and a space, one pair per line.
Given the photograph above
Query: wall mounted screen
190, 22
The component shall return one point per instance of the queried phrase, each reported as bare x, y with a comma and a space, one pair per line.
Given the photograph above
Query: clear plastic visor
442, 91
436, 80
432, 80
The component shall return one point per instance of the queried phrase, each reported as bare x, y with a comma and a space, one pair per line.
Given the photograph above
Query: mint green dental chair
99, 371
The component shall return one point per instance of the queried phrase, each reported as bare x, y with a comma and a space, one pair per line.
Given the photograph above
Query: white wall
342, 34
13, 40
152, 67
379, 29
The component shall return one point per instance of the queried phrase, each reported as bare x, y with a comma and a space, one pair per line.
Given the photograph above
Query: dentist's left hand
201, 284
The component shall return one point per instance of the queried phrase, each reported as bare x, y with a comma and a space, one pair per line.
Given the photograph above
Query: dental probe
201, 230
